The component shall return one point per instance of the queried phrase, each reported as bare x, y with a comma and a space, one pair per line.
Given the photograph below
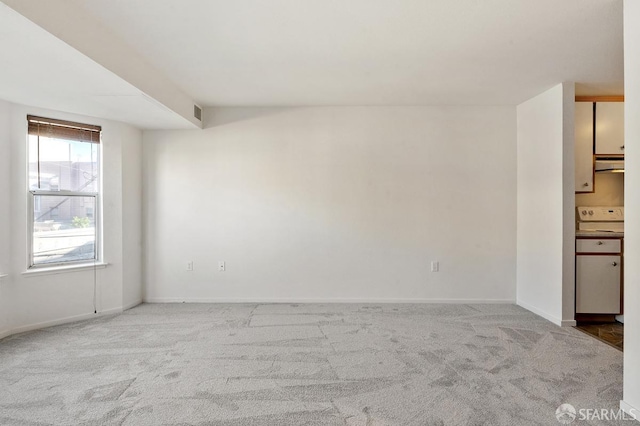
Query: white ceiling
372, 52
40, 70
301, 52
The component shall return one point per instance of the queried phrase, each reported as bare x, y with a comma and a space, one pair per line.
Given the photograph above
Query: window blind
60, 129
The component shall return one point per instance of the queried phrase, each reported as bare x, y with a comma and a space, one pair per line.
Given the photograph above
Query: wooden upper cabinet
609, 128
584, 146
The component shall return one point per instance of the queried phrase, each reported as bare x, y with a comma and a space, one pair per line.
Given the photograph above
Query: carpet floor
306, 364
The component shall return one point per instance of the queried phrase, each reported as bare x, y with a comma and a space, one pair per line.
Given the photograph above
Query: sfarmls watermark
567, 414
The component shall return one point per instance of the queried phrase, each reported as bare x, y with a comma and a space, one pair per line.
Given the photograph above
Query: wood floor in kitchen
610, 333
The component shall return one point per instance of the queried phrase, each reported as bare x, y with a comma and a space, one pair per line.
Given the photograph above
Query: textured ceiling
372, 52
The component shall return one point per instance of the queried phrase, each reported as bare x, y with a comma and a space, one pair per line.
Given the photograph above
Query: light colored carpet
283, 364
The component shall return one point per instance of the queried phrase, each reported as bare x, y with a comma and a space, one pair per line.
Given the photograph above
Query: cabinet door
584, 146
598, 284
610, 128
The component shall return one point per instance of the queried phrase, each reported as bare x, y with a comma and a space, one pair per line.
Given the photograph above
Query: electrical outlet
435, 266
190, 265
221, 266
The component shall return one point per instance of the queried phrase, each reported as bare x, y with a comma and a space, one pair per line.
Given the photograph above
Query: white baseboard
5, 333
568, 323
60, 321
112, 311
323, 300
630, 410
557, 321
132, 305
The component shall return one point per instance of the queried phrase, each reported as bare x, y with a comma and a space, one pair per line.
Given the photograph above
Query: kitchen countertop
602, 234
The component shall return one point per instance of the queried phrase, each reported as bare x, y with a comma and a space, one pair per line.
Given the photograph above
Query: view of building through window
64, 188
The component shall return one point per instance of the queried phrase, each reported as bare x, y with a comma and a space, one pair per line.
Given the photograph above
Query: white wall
38, 300
568, 213
5, 226
132, 217
632, 207
333, 203
545, 218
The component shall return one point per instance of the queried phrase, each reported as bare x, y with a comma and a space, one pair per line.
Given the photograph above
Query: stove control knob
584, 212
590, 212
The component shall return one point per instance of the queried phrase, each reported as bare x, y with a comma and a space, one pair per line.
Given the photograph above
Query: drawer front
598, 246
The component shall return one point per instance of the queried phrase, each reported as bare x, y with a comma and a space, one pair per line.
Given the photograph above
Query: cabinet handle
585, 184
615, 263
622, 147
600, 243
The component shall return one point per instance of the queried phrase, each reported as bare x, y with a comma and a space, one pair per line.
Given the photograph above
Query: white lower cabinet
598, 284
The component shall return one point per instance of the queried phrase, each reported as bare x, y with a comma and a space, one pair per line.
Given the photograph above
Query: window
64, 192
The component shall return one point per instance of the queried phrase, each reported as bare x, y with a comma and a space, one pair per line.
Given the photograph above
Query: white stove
601, 219
598, 282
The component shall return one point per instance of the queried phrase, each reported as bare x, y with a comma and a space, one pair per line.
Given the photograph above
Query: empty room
306, 212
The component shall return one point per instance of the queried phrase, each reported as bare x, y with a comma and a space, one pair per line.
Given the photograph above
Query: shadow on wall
215, 117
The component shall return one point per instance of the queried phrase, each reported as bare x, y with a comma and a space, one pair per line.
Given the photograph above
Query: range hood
609, 165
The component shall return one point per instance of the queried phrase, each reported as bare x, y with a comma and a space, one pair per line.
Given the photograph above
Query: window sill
64, 269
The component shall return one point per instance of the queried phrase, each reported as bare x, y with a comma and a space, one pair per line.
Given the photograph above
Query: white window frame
97, 213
